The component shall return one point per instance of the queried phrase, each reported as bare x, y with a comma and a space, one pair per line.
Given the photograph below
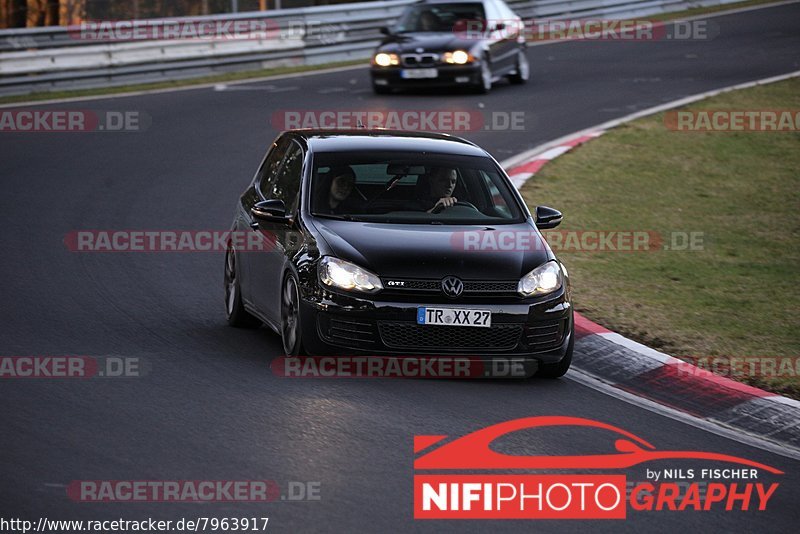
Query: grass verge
737, 296
216, 78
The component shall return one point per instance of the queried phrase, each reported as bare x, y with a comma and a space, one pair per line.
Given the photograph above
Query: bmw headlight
459, 57
386, 60
543, 280
341, 274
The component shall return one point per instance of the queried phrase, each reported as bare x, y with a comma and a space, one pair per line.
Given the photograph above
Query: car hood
408, 43
432, 251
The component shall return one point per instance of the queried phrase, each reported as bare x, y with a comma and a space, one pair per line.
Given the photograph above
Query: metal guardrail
44, 59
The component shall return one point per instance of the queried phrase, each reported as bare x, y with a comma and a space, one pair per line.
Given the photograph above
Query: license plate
414, 74
454, 317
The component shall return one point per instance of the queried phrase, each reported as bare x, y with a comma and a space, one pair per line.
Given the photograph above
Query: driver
443, 182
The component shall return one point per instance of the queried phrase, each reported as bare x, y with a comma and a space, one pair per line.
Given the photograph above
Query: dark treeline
30, 13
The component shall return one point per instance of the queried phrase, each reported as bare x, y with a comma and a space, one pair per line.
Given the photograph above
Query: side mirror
270, 211
547, 218
385, 30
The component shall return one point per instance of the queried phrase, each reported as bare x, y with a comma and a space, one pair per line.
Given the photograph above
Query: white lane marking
337, 69
737, 434
267, 88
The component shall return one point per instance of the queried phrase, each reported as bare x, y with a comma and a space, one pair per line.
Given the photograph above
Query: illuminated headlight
542, 280
341, 274
386, 60
459, 57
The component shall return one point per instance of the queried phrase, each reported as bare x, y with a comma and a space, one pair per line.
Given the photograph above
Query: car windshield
412, 188
438, 17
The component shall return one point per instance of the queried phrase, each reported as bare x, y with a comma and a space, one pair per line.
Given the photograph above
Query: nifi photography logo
721, 482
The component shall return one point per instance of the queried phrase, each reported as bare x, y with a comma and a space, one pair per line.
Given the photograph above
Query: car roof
386, 140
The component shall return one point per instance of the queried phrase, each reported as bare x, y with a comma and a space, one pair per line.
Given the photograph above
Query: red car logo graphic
474, 451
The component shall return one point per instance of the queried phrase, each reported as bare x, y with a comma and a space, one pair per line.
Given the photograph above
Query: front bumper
539, 331
448, 75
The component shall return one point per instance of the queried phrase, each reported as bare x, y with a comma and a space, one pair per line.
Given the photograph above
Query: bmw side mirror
547, 218
270, 211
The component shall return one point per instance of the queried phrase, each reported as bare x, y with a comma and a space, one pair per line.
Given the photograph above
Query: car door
503, 40
267, 267
244, 220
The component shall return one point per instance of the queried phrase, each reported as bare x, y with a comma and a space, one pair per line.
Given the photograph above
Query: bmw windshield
412, 188
438, 17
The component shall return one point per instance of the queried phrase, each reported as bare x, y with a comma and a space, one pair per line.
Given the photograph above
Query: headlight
341, 274
386, 60
459, 57
542, 280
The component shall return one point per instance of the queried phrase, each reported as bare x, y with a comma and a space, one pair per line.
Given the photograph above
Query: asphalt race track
209, 407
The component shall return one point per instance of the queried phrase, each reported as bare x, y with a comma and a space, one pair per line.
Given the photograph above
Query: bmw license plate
415, 74
454, 317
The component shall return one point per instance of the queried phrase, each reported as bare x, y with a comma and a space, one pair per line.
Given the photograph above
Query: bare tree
53, 14
17, 13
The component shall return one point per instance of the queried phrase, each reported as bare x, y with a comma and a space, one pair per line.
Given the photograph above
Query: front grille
499, 287
544, 336
435, 286
346, 331
419, 60
413, 336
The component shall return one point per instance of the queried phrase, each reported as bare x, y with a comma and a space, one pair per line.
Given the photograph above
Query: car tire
484, 85
291, 330
558, 369
235, 312
523, 69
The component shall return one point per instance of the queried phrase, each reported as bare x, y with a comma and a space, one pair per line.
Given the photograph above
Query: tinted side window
269, 170
286, 186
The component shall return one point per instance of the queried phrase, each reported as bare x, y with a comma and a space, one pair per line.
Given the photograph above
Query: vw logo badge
452, 286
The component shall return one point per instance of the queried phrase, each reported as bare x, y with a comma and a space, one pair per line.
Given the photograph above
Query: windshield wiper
334, 216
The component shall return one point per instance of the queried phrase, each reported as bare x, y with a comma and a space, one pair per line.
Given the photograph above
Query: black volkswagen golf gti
396, 243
